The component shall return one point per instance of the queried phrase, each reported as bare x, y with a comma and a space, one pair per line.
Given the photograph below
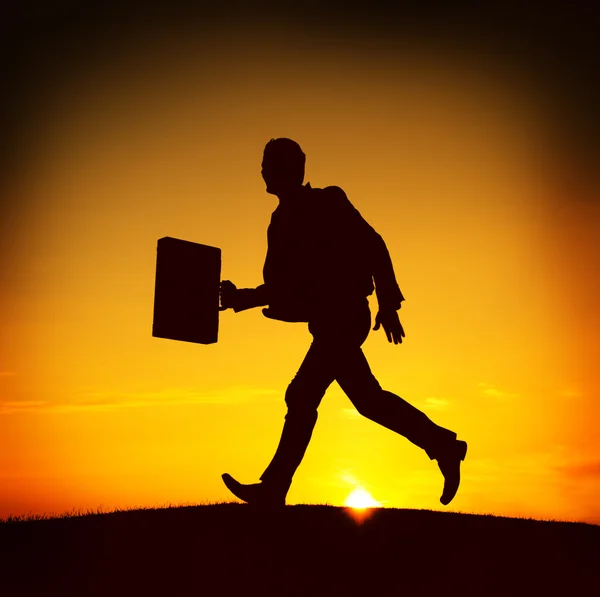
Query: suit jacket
322, 255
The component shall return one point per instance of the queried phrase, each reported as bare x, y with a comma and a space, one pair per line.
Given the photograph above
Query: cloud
434, 403
7, 373
10, 406
581, 470
560, 463
113, 400
490, 390
347, 478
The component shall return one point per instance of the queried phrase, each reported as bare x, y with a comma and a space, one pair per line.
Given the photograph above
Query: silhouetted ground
232, 549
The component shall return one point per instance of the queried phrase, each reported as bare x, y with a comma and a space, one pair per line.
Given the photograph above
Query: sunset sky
466, 163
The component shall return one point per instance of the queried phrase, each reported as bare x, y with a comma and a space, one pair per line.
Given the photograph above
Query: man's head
283, 166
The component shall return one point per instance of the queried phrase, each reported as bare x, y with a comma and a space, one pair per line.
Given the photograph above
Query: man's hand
390, 321
228, 290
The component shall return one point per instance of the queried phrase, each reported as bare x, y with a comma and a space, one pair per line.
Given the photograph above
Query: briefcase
186, 291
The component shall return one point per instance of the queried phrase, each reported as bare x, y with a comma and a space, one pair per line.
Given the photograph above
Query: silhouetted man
323, 261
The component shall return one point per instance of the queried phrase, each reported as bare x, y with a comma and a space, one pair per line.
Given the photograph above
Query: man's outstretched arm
240, 299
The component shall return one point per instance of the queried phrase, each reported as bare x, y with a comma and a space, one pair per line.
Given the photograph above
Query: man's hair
286, 150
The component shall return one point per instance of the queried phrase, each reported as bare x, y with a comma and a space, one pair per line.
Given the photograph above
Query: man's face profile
277, 172
282, 170
269, 174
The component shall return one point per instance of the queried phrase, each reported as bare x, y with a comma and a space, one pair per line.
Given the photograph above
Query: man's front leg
303, 396
277, 478
295, 437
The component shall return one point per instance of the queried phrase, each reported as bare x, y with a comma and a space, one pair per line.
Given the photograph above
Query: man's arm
389, 296
241, 299
387, 290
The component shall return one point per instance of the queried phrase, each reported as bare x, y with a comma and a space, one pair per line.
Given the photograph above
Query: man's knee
302, 401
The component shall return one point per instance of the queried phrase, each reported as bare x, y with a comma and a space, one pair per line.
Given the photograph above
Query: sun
360, 499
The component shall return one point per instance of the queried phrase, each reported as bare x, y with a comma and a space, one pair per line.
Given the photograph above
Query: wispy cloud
434, 403
494, 392
10, 406
347, 478
559, 463
113, 400
571, 393
583, 469
7, 373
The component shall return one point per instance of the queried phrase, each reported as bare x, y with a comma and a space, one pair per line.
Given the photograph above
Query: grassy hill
233, 549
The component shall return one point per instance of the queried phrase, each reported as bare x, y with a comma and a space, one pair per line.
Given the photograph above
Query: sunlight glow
360, 499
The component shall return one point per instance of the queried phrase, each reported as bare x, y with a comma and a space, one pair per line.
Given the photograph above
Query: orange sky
456, 166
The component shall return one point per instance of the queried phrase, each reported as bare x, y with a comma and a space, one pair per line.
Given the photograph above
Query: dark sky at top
559, 45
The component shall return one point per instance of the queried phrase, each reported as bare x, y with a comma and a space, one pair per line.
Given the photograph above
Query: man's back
321, 254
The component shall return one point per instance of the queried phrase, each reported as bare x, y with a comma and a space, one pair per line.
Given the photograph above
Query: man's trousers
336, 354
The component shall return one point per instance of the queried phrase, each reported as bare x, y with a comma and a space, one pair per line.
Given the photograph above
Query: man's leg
388, 409
333, 331
303, 396
358, 382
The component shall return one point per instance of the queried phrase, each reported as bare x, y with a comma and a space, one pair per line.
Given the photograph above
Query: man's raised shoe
449, 464
258, 494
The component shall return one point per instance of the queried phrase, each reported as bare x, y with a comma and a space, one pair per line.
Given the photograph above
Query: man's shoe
258, 494
449, 464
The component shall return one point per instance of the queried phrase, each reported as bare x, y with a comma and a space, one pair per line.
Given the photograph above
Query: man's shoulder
332, 196
332, 190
